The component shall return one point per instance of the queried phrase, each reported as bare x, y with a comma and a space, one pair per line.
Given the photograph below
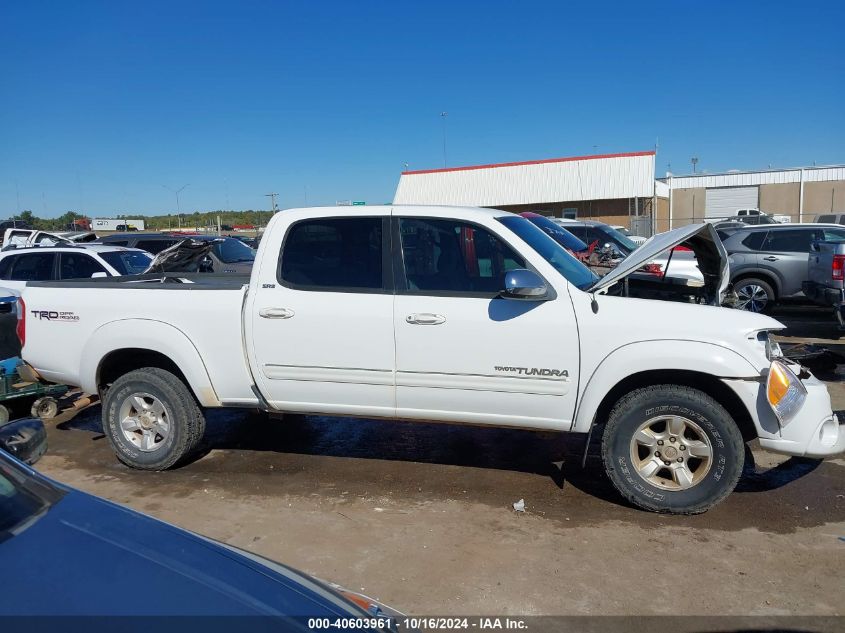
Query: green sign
358, 203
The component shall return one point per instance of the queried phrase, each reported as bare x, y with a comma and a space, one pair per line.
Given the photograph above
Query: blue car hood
87, 556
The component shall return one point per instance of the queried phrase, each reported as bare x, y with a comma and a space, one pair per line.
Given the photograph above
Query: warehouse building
613, 188
802, 193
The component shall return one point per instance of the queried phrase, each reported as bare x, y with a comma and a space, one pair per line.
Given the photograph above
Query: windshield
574, 271
23, 498
558, 233
619, 238
230, 251
128, 262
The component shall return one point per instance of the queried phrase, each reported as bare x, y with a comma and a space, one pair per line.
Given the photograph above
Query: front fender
662, 355
155, 336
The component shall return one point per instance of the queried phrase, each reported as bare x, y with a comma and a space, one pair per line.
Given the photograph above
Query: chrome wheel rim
144, 422
671, 452
752, 298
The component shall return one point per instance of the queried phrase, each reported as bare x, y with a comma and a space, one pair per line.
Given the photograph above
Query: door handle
771, 258
275, 313
425, 318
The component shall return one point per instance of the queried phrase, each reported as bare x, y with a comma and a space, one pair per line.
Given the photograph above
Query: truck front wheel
151, 419
672, 449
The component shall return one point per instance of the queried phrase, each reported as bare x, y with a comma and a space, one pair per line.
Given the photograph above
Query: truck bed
77, 316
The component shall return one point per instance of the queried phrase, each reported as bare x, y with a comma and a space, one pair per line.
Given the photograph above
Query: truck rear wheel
151, 419
672, 449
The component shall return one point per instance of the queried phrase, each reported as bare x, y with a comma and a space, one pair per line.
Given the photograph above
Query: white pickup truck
451, 314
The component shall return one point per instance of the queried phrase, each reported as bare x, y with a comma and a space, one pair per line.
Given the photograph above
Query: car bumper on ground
814, 432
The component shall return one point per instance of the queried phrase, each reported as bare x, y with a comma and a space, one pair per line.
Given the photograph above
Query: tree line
198, 218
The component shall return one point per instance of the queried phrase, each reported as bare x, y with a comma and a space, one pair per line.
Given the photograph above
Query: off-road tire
634, 409
185, 416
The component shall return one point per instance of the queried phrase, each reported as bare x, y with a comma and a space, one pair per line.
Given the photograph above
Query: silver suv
770, 262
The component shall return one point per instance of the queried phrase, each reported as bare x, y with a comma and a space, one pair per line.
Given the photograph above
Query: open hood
700, 238
185, 256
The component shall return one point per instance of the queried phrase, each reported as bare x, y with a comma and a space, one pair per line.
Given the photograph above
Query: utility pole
178, 206
694, 161
443, 116
274, 208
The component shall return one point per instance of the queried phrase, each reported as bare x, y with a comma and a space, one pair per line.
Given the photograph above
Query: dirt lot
420, 516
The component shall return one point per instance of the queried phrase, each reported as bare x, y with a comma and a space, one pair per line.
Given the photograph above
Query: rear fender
150, 335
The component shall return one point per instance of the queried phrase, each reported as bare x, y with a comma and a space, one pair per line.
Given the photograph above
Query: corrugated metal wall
748, 179
590, 178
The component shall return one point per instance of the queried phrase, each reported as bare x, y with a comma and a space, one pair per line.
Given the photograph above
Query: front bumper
814, 432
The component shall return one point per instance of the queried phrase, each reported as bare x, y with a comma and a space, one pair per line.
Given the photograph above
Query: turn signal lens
785, 392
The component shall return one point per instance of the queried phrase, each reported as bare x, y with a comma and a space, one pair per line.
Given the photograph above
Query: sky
108, 107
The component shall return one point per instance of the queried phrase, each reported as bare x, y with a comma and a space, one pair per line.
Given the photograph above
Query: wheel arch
770, 278
686, 363
122, 346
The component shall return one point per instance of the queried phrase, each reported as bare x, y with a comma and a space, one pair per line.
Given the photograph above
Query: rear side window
754, 241
451, 256
827, 219
790, 241
33, 267
334, 253
152, 246
78, 266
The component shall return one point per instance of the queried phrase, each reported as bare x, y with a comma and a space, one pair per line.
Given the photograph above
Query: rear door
785, 255
321, 315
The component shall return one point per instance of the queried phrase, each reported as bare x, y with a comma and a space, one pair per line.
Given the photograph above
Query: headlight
773, 350
785, 392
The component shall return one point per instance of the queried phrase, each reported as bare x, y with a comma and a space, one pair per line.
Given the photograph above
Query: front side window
33, 267
79, 266
452, 256
334, 253
790, 241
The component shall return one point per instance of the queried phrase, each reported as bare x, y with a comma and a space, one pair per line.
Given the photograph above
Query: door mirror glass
524, 284
24, 439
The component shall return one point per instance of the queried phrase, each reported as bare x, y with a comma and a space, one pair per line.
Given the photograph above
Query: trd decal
534, 371
53, 315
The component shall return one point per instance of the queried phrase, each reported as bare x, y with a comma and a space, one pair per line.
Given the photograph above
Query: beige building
802, 193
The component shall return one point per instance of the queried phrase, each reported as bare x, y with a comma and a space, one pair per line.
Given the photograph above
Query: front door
463, 353
322, 317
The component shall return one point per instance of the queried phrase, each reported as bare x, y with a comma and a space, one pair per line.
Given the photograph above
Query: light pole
178, 207
694, 161
443, 116
273, 206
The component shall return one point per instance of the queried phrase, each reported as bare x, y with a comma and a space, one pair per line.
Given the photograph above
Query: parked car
769, 263
831, 218
825, 284
101, 558
755, 217
451, 314
227, 254
652, 280
49, 263
752, 220
16, 238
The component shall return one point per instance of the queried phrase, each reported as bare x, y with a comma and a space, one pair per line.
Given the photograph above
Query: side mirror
99, 275
24, 439
523, 284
